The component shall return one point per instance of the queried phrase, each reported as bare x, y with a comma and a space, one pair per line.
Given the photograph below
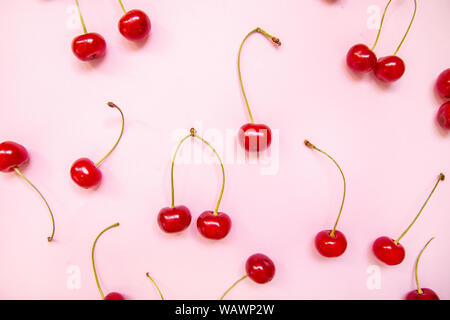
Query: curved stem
234, 284
45, 201
81, 17
419, 289
223, 171
112, 105
171, 169
407, 30
311, 146
274, 40
123, 7
441, 178
156, 286
93, 260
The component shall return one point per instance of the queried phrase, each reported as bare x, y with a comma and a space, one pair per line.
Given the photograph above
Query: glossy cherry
12, 157
175, 219
112, 295
134, 25
421, 293
390, 251
443, 116
214, 226
331, 243
254, 137
361, 59
389, 69
443, 84
259, 267
84, 172
330, 246
88, 46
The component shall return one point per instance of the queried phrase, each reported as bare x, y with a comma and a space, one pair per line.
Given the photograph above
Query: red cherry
329, 246
213, 226
443, 84
387, 251
443, 116
361, 59
114, 296
89, 46
260, 268
135, 25
255, 137
85, 174
389, 69
12, 155
173, 220
427, 294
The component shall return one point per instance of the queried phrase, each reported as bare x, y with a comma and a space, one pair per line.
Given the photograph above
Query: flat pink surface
384, 136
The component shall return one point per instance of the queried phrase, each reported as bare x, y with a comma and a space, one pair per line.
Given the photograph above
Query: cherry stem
419, 289
234, 284
156, 286
123, 7
311, 146
193, 133
112, 105
49, 239
441, 178
81, 17
274, 40
407, 31
93, 260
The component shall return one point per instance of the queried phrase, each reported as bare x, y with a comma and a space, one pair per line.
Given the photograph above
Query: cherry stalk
259, 267
390, 251
252, 136
84, 172
135, 24
156, 286
331, 243
89, 45
112, 295
13, 156
421, 293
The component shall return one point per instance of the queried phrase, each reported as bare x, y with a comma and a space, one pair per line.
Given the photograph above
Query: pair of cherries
213, 225
387, 69
12, 157
443, 89
134, 25
254, 137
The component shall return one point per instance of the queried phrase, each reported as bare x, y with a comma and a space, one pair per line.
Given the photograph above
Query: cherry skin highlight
12, 155
135, 25
443, 116
389, 69
89, 46
361, 59
329, 246
427, 294
212, 226
85, 174
387, 251
255, 137
260, 268
172, 220
443, 84
114, 296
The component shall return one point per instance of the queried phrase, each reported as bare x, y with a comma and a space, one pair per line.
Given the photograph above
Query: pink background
384, 136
